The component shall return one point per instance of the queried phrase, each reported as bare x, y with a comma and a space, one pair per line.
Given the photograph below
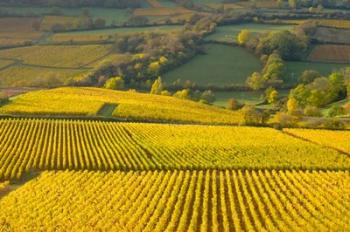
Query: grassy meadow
221, 66
295, 69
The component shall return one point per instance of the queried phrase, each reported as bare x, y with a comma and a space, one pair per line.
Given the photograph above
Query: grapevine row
28, 144
180, 201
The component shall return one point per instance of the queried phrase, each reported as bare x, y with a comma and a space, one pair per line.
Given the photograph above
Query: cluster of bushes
207, 96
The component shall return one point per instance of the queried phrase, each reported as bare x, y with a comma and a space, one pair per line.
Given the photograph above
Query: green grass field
221, 66
229, 33
244, 97
295, 69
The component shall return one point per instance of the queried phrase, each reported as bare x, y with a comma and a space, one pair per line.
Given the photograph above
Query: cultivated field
335, 139
28, 76
332, 35
87, 145
17, 31
130, 105
220, 66
180, 201
58, 56
330, 53
5, 63
110, 15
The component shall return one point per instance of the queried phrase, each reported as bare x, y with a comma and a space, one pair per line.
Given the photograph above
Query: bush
115, 83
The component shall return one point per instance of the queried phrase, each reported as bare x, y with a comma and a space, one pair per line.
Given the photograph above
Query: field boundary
15, 184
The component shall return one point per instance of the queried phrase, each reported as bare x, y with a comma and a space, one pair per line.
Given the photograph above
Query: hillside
120, 104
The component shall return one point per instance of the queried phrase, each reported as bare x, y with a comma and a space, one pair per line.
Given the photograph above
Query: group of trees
271, 74
320, 92
207, 96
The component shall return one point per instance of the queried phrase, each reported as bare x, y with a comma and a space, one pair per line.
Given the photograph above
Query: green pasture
221, 66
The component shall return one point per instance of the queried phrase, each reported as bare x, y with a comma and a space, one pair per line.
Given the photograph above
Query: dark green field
221, 66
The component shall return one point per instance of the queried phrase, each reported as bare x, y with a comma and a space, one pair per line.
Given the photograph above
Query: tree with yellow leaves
243, 37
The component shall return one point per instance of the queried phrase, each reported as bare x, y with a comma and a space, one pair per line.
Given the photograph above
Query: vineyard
22, 75
330, 53
70, 56
180, 201
128, 105
335, 139
29, 144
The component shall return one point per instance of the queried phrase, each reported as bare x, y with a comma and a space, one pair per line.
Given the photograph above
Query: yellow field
19, 76
336, 139
129, 105
334, 23
39, 144
58, 56
180, 201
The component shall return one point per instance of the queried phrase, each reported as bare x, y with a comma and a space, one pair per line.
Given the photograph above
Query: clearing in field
245, 97
180, 201
64, 56
330, 53
95, 145
130, 105
229, 33
221, 66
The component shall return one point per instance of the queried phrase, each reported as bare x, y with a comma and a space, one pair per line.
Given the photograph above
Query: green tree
255, 81
115, 83
233, 104
251, 116
312, 111
309, 76
335, 111
271, 95
208, 96
157, 86
292, 105
183, 94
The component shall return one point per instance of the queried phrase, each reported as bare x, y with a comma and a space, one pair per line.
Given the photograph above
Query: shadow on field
15, 184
